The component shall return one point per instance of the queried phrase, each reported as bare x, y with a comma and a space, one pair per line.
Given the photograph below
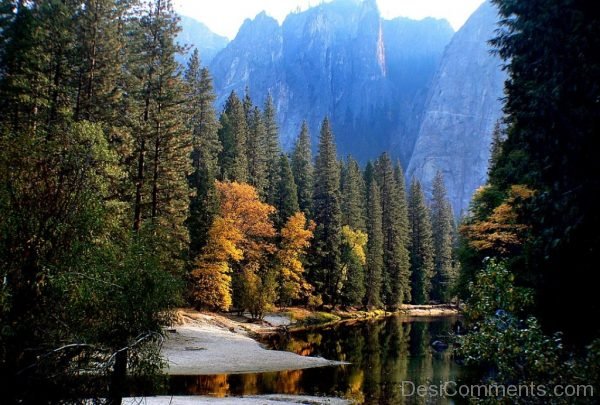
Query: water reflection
383, 354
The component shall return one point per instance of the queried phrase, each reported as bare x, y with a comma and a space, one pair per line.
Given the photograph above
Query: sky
226, 16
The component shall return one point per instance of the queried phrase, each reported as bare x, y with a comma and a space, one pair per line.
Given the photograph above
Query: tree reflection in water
383, 353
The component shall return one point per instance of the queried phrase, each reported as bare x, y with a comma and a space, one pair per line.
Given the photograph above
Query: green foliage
205, 151
421, 249
286, 202
326, 273
375, 245
233, 159
510, 345
271, 151
353, 196
552, 116
256, 144
353, 259
395, 225
302, 167
442, 223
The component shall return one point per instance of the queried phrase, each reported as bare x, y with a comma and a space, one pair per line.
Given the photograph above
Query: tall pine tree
205, 152
421, 249
403, 283
375, 245
272, 150
328, 216
442, 223
353, 196
233, 159
256, 144
302, 166
287, 194
394, 248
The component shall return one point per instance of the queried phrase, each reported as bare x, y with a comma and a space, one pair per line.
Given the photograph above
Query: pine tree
233, 159
100, 54
206, 148
421, 250
287, 194
164, 142
394, 222
272, 150
257, 160
353, 196
375, 246
442, 224
328, 216
403, 284
302, 166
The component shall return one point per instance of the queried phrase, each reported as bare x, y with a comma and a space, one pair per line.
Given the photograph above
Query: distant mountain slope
342, 60
415, 88
197, 35
463, 106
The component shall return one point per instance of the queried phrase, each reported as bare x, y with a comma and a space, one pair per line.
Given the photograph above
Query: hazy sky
226, 16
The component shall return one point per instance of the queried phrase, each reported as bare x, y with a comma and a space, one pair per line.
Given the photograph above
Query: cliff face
343, 61
462, 107
197, 35
414, 88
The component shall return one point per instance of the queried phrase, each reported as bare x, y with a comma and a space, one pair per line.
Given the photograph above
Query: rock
341, 60
197, 35
463, 106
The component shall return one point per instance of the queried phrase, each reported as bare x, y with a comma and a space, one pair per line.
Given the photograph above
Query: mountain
463, 105
197, 35
342, 60
415, 88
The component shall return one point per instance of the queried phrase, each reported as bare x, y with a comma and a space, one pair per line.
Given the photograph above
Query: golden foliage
240, 233
295, 239
241, 205
356, 240
501, 232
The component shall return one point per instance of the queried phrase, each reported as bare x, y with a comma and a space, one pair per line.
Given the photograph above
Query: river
389, 359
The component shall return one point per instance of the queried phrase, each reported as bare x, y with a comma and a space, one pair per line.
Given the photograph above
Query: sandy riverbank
203, 344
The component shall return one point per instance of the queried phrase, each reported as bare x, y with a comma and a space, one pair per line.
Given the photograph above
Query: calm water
382, 353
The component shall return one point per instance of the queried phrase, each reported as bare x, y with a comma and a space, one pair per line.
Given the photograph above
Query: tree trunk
119, 379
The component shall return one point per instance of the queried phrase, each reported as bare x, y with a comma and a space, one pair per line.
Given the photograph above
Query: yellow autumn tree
295, 239
501, 233
239, 241
353, 258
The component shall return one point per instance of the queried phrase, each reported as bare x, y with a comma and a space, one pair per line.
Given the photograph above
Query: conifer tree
442, 223
302, 167
353, 196
206, 147
394, 223
327, 215
287, 194
164, 142
100, 54
233, 159
421, 250
403, 283
375, 244
272, 149
257, 160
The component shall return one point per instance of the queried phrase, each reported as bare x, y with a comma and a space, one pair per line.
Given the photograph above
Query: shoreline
206, 343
